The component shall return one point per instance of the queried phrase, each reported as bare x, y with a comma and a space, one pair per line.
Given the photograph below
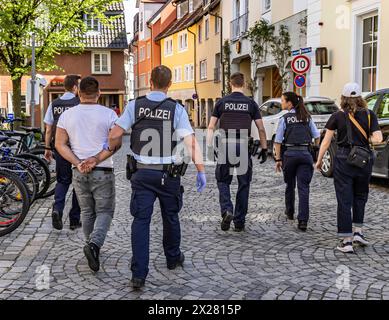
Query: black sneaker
289, 216
345, 247
75, 225
226, 222
239, 229
137, 283
56, 220
179, 263
302, 226
360, 239
91, 252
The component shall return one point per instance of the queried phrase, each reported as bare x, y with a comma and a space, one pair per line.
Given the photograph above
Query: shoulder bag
359, 156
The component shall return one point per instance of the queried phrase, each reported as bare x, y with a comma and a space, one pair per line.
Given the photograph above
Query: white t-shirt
88, 128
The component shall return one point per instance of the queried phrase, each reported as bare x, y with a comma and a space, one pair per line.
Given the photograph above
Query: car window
320, 108
326, 108
383, 111
270, 109
371, 102
310, 107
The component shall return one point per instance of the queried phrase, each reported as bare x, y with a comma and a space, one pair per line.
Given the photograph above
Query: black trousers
352, 192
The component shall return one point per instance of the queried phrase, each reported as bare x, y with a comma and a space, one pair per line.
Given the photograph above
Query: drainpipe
151, 45
137, 66
195, 69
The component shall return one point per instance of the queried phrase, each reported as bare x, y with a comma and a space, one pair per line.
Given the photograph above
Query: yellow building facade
359, 50
209, 75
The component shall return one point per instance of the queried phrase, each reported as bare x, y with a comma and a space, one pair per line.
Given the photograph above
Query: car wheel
273, 148
327, 168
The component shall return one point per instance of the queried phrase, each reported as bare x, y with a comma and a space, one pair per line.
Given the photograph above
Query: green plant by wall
227, 66
281, 50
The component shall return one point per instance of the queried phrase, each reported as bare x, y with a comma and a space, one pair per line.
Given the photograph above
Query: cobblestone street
271, 260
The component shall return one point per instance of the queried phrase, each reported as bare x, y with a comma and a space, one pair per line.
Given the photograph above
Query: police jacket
58, 107
153, 130
297, 132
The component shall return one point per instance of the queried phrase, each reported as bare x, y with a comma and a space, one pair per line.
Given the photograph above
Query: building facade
178, 44
209, 55
104, 57
357, 52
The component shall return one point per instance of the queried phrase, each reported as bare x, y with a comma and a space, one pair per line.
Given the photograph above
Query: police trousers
224, 174
298, 166
352, 192
147, 186
64, 180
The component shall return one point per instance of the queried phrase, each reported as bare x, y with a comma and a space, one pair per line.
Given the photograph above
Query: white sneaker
360, 239
345, 247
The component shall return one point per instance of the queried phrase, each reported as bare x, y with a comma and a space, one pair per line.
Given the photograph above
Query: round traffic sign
300, 81
301, 64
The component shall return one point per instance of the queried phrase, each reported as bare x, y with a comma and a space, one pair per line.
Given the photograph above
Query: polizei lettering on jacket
155, 114
293, 119
59, 110
236, 107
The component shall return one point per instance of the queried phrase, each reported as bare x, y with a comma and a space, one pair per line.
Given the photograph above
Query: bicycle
29, 144
14, 202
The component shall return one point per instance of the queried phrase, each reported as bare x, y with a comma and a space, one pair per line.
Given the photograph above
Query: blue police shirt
181, 125
49, 118
282, 127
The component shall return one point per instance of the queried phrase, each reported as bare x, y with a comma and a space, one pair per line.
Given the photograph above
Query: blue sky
130, 10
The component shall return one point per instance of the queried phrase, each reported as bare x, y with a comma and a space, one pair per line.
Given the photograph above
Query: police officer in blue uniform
235, 112
158, 124
293, 147
63, 167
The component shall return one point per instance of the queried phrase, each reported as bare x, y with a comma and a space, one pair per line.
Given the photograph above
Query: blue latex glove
201, 182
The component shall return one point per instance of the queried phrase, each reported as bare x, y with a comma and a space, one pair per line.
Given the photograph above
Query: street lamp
322, 60
33, 79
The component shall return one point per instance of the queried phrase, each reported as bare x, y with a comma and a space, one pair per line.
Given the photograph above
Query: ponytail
298, 104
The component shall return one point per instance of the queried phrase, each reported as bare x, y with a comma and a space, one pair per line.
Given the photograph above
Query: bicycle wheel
22, 170
40, 152
14, 203
40, 169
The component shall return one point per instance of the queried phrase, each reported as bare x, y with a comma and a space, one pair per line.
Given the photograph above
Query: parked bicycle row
25, 175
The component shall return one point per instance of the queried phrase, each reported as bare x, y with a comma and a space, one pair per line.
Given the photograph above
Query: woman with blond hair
357, 129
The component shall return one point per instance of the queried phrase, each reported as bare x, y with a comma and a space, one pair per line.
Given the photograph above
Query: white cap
352, 90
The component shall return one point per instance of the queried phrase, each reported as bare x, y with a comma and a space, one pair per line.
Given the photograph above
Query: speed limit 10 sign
301, 64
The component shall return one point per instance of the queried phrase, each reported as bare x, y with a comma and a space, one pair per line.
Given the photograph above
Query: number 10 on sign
301, 64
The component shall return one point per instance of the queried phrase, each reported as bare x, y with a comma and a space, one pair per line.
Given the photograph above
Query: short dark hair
71, 81
237, 79
161, 76
89, 87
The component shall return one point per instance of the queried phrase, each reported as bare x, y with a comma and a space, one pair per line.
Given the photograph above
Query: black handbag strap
349, 130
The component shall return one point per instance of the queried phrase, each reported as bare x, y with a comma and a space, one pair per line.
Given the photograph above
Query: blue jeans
64, 180
96, 192
297, 166
352, 192
147, 186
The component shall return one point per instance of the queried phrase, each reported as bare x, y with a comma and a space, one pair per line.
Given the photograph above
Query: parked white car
319, 107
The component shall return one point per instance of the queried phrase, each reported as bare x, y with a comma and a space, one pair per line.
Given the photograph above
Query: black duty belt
155, 167
110, 170
297, 148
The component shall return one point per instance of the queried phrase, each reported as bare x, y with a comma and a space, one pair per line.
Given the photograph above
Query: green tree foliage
264, 39
281, 52
58, 26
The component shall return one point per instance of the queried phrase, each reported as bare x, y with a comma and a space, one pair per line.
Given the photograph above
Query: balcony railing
239, 26
217, 75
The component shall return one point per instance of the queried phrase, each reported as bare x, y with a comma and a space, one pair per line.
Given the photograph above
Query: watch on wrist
278, 160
